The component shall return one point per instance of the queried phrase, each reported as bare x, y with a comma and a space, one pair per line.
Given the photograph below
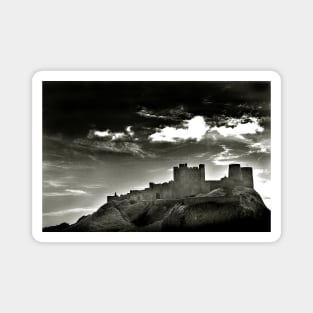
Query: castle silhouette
188, 182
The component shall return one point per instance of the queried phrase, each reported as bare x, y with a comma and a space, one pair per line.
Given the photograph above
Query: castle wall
189, 181
183, 174
214, 184
205, 187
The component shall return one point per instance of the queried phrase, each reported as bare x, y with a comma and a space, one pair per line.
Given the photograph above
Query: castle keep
189, 181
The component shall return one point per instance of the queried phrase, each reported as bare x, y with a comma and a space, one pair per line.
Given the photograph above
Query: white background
159, 35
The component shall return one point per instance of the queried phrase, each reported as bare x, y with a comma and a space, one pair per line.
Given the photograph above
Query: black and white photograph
156, 156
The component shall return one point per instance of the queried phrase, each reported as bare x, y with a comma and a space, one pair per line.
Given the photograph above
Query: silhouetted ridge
223, 209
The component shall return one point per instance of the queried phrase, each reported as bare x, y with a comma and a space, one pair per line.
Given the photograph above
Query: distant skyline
106, 137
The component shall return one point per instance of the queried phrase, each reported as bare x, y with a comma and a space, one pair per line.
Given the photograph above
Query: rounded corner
36, 236
275, 76
37, 76
276, 237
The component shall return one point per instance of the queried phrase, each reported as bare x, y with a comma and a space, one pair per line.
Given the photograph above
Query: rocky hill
236, 209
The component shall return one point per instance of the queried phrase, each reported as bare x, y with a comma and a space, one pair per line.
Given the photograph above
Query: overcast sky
106, 137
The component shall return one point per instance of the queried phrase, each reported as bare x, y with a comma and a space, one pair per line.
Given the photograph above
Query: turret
234, 172
247, 176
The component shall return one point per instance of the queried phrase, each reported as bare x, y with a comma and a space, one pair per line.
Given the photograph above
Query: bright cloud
99, 133
109, 135
119, 142
236, 128
262, 146
194, 128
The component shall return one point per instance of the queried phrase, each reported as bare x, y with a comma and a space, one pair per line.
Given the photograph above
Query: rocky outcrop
223, 209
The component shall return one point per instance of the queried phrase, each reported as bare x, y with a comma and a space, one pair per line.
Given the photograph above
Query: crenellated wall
184, 174
189, 181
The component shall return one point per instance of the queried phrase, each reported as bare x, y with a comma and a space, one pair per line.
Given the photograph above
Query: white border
41, 76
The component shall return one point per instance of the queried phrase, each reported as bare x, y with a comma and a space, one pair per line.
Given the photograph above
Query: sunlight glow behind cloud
194, 128
236, 128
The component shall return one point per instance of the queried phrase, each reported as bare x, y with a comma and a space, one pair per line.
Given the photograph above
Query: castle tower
180, 172
234, 172
175, 172
247, 176
202, 172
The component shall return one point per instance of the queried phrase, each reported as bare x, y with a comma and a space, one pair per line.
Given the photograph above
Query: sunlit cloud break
194, 128
236, 128
263, 147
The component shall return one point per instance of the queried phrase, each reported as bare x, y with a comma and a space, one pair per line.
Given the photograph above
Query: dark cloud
74, 107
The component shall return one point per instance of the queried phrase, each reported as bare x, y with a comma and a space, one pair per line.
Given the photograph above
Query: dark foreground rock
238, 210
60, 227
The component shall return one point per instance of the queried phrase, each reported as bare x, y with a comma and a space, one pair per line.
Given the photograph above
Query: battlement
189, 182
240, 175
234, 172
184, 174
